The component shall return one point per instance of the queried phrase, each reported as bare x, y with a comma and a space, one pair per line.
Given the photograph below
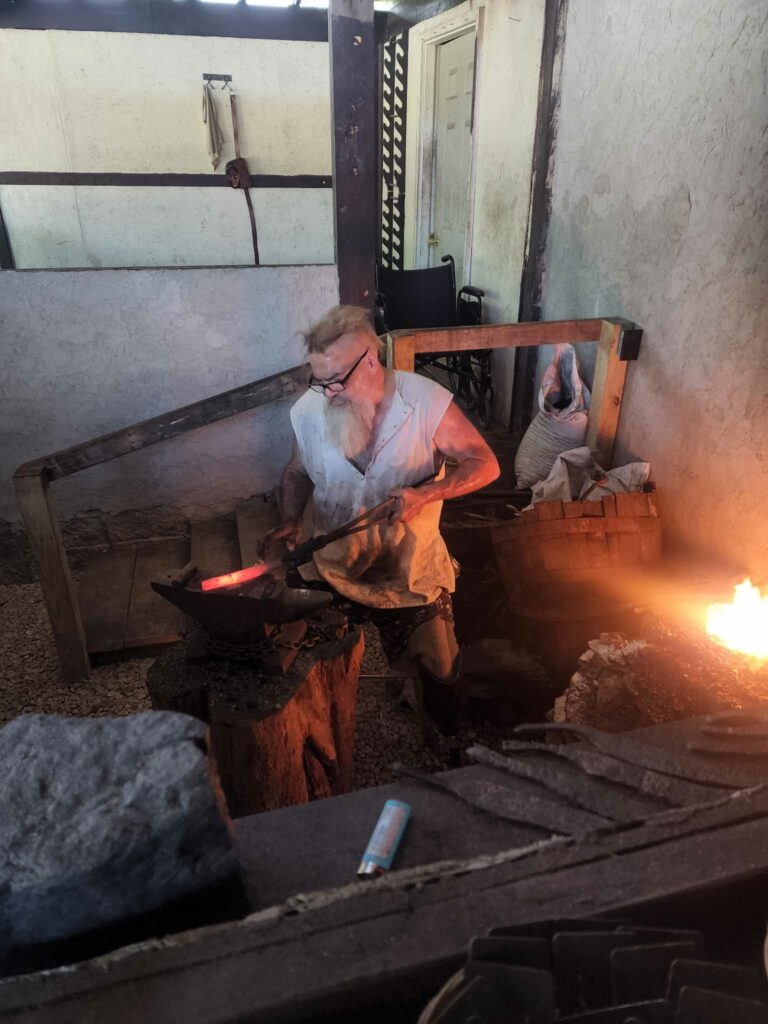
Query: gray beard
350, 426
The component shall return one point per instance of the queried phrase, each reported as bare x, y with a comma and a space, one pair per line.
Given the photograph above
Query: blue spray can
385, 839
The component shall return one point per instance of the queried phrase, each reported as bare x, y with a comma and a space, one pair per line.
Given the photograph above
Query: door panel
452, 149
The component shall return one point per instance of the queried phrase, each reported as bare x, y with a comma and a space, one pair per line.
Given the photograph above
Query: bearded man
363, 434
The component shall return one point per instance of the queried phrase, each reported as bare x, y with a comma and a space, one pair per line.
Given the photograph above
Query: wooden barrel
568, 566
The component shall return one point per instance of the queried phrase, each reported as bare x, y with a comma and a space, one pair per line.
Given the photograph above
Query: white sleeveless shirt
385, 566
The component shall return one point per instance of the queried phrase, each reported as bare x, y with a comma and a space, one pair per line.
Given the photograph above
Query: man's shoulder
307, 407
415, 388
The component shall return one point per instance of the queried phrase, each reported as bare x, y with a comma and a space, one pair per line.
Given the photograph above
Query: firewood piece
277, 740
546, 510
632, 503
651, 499
609, 505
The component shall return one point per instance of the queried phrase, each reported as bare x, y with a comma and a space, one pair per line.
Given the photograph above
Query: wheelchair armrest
470, 289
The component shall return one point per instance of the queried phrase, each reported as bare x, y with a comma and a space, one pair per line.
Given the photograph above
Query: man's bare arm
292, 496
477, 466
295, 489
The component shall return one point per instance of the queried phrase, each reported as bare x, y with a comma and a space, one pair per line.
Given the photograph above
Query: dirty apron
387, 566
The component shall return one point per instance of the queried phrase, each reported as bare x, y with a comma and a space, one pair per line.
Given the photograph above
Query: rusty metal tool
303, 552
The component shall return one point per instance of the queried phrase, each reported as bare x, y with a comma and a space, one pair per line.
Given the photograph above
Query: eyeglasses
335, 386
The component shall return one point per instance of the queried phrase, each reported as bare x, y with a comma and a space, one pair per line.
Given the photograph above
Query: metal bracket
629, 344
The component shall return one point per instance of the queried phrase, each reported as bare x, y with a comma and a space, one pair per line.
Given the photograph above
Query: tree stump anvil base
277, 740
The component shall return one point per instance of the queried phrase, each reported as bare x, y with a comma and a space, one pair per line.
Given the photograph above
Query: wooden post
277, 740
353, 110
39, 515
607, 391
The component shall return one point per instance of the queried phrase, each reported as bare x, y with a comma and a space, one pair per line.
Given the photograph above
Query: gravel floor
29, 682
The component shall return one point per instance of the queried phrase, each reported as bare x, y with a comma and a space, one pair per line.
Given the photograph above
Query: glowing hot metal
233, 579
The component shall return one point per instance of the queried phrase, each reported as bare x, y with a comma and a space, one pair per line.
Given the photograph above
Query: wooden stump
277, 740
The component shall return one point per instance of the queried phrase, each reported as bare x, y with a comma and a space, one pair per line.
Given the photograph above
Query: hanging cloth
213, 138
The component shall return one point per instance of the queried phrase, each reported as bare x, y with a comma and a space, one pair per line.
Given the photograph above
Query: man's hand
408, 502
289, 533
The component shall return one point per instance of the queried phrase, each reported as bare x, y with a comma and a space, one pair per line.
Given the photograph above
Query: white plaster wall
88, 352
124, 102
506, 124
104, 226
506, 97
659, 213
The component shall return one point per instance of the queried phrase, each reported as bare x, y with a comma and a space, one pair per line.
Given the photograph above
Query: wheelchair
427, 298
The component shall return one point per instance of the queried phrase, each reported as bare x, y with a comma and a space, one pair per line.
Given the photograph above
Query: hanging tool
239, 176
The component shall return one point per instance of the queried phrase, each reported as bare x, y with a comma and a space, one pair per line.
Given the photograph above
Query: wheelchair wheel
459, 381
484, 406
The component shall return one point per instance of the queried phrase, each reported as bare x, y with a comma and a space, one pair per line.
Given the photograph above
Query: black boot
443, 700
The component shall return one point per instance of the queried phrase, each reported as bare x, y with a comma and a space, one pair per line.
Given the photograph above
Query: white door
452, 150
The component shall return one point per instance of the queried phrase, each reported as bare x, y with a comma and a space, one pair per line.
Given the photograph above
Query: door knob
433, 239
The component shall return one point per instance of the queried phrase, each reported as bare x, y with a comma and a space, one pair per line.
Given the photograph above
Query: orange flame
742, 625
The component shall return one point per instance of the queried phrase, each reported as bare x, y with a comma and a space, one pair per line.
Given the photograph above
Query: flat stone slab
105, 819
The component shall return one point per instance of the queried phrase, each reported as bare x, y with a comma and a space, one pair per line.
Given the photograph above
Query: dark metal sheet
578, 791
503, 800
625, 748
660, 789
642, 972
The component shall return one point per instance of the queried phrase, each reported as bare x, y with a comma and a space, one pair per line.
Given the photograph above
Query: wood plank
607, 392
349, 932
609, 505
547, 510
104, 592
39, 515
255, 517
573, 509
354, 70
214, 546
489, 336
169, 424
517, 530
151, 619
632, 503
132, 179
653, 509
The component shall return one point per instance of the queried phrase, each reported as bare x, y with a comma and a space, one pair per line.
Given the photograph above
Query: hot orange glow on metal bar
231, 579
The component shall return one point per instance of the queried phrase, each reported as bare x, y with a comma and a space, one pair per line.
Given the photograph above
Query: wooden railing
618, 341
32, 482
32, 479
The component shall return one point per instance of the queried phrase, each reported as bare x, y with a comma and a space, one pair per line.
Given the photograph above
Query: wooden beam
607, 392
132, 180
169, 424
39, 515
406, 344
353, 95
6, 252
315, 953
169, 17
526, 363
